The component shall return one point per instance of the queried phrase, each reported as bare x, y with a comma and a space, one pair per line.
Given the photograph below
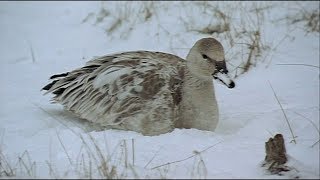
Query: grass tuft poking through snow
284, 114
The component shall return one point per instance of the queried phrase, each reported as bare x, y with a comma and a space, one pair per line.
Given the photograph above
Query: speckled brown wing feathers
112, 89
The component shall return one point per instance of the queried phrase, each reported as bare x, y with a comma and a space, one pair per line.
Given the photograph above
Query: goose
148, 92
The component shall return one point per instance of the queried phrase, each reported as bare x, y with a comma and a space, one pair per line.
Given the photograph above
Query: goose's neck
199, 107
198, 92
195, 84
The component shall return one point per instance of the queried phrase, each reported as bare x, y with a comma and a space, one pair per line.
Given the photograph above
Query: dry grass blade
32, 52
132, 145
125, 153
58, 120
313, 124
91, 155
135, 174
155, 154
199, 168
27, 165
5, 167
195, 154
275, 95
64, 148
51, 171
315, 143
309, 65
96, 164
104, 166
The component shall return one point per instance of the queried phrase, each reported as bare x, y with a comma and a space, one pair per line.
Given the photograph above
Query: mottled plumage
141, 91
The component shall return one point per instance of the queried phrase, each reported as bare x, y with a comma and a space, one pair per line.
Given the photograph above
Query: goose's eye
204, 56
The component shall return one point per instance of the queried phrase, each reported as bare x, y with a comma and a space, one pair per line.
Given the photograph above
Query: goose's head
206, 61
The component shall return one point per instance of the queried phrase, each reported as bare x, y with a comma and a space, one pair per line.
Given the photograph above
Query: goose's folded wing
118, 86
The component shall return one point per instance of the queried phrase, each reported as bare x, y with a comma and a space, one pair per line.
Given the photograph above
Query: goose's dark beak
224, 78
221, 73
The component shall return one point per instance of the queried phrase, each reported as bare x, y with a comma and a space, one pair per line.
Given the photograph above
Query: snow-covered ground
39, 139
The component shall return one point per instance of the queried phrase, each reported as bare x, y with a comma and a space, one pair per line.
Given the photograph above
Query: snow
55, 144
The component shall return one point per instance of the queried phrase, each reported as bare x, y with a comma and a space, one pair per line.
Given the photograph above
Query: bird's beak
221, 73
224, 78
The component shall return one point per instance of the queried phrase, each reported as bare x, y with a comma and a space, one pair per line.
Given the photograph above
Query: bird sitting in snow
147, 92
